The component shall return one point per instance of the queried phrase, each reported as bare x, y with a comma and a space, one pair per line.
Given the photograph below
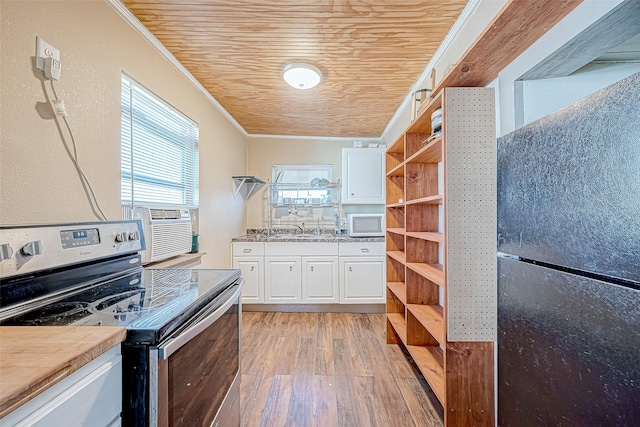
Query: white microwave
365, 225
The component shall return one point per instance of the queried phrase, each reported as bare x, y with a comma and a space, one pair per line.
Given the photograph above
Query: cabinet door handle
252, 267
311, 268
290, 268
350, 270
246, 251
353, 194
364, 250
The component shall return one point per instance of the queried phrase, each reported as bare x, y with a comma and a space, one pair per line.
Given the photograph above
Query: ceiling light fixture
301, 76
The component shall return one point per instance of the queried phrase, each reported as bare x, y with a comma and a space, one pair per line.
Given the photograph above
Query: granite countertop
289, 236
33, 358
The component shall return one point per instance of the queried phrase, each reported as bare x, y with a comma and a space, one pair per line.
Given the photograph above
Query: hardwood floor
326, 370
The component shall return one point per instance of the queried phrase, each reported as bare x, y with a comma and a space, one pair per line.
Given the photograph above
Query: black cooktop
150, 303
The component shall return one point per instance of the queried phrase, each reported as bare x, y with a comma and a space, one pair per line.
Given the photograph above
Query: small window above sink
302, 195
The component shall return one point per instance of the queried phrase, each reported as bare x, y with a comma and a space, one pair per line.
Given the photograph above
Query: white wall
38, 181
512, 107
509, 102
545, 96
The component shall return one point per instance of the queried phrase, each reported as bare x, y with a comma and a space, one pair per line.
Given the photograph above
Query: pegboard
470, 212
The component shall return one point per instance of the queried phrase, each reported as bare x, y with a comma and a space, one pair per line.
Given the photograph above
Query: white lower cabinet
362, 273
252, 270
320, 280
297, 272
304, 279
248, 258
312, 272
90, 397
362, 280
282, 280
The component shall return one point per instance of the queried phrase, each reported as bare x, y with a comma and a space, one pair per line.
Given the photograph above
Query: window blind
159, 150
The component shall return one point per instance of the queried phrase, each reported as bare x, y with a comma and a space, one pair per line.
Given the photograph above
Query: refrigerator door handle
508, 256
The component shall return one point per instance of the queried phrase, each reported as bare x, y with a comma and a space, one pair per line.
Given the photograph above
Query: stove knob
121, 237
6, 252
134, 235
32, 248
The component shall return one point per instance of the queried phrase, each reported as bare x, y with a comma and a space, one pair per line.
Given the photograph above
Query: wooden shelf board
433, 272
430, 362
397, 171
397, 146
399, 324
432, 318
395, 205
422, 123
399, 290
430, 200
425, 235
398, 256
430, 153
429, 359
513, 30
396, 230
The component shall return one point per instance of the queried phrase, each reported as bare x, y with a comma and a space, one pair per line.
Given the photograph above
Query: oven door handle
175, 343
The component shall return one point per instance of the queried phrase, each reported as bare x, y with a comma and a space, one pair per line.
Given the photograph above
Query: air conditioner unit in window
167, 232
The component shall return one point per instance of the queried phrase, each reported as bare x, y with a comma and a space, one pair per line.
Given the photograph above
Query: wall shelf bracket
247, 185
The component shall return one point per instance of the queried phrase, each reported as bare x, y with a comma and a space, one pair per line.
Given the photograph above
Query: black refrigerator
569, 265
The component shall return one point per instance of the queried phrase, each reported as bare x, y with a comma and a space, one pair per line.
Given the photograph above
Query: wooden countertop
33, 358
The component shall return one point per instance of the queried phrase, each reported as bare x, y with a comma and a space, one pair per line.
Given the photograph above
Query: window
299, 173
159, 150
290, 181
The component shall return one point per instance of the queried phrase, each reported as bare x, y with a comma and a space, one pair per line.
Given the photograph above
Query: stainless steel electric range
181, 356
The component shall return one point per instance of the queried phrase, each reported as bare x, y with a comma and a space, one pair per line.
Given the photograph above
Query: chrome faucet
301, 228
318, 229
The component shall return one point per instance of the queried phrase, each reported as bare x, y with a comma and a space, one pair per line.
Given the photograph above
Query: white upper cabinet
363, 175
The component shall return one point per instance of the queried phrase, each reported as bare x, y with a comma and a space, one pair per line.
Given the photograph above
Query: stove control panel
74, 238
31, 248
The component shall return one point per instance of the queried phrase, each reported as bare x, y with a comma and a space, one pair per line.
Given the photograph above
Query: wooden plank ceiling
370, 53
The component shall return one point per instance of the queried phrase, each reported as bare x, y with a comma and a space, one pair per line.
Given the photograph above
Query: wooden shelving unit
440, 216
432, 272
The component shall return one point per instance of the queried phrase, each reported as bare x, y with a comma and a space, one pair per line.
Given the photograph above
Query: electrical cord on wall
60, 111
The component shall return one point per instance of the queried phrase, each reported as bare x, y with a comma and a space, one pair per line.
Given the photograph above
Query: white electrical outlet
44, 50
